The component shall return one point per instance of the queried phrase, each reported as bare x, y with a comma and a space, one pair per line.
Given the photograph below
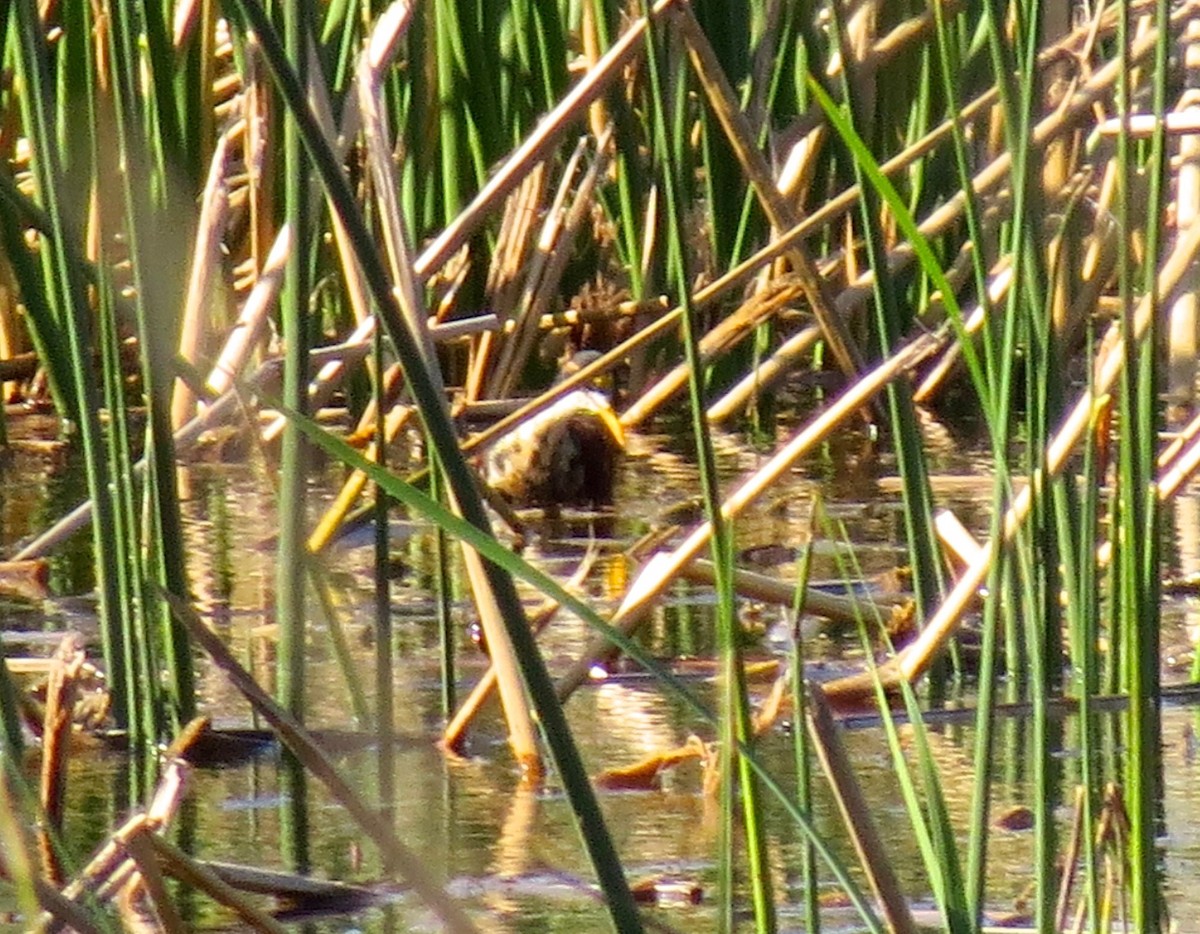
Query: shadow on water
512, 854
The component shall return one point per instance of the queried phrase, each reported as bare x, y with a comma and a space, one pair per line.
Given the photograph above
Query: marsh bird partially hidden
565, 455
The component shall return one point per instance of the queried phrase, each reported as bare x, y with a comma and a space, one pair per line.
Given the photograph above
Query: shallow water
512, 855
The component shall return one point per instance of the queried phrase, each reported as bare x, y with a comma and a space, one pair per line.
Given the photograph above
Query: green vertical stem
453, 161
446, 633
168, 130
804, 783
294, 304
1026, 305
1140, 505
289, 577
1086, 639
126, 546
629, 171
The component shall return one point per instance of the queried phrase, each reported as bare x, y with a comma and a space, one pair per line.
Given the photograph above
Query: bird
566, 455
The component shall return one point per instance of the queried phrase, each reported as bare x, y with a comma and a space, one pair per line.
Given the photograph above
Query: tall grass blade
1138, 505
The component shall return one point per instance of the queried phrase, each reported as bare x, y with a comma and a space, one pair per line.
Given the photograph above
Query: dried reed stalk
518, 715
110, 869
504, 279
206, 261
149, 878
456, 729
517, 344
61, 692
728, 332
253, 318
536, 301
780, 213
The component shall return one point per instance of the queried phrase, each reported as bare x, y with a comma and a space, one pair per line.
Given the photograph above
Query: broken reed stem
149, 876
456, 729
110, 869
61, 690
856, 813
912, 661
1070, 860
779, 211
63, 913
545, 287
998, 287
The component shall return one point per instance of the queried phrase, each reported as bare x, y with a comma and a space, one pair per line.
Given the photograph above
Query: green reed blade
865, 161
1139, 512
800, 744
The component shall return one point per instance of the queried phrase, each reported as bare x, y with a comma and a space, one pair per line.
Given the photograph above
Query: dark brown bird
565, 455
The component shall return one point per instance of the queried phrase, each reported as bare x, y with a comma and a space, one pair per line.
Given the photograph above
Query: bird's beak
613, 424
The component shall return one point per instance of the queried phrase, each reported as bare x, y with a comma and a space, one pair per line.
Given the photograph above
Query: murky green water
513, 855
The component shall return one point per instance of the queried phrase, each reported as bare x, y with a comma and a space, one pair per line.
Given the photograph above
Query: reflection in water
470, 818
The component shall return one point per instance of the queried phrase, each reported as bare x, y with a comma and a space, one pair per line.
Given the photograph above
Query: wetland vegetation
599, 464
